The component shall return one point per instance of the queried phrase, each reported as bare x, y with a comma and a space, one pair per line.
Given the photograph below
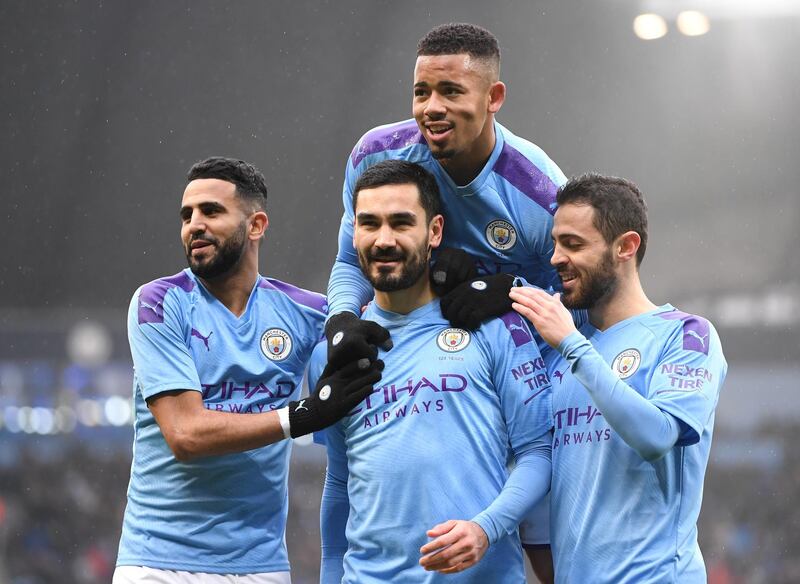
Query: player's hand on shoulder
452, 267
350, 339
548, 315
458, 545
474, 301
338, 391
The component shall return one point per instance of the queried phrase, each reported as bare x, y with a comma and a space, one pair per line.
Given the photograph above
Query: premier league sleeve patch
453, 340
501, 235
276, 344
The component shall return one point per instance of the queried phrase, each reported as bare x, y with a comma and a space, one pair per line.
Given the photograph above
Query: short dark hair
400, 172
618, 204
250, 184
461, 38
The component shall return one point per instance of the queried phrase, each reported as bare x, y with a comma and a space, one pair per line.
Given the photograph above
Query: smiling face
393, 237
582, 257
214, 227
454, 99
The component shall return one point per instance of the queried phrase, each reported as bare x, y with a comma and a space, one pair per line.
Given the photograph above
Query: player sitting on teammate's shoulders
417, 487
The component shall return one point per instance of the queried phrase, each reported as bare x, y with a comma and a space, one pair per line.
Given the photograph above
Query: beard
412, 268
593, 286
227, 254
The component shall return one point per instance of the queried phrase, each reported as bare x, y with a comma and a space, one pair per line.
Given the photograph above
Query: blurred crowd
62, 498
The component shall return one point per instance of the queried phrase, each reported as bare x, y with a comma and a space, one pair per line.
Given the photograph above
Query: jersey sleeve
348, 289
334, 509
687, 380
520, 376
161, 358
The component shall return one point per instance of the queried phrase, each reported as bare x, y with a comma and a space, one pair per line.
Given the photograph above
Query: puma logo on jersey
558, 375
300, 406
698, 337
199, 335
152, 307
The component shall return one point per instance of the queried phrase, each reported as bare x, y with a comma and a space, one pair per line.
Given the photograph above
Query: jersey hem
213, 569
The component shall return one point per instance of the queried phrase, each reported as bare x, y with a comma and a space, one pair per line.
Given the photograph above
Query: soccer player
219, 354
634, 392
417, 488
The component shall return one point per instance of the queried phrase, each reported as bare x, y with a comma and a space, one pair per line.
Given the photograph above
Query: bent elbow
654, 453
184, 448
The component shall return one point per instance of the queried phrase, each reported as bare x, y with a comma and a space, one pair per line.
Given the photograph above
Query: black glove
350, 339
338, 391
452, 267
470, 303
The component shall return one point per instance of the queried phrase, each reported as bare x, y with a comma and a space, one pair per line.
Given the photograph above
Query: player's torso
601, 486
428, 445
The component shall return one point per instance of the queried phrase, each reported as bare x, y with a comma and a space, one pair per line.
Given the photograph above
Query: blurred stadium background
106, 104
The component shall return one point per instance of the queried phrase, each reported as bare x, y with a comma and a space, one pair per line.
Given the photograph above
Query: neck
234, 287
466, 166
627, 300
404, 301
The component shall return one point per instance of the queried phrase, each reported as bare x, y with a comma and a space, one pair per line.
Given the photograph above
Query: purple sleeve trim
517, 327
393, 137
696, 330
151, 297
311, 299
526, 176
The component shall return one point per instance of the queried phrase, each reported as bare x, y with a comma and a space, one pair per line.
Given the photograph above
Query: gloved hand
470, 303
338, 391
452, 267
350, 339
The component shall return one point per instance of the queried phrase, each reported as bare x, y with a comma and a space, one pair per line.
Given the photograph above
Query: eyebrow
205, 206
405, 215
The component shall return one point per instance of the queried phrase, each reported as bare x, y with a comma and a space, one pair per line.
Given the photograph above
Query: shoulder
148, 301
527, 168
302, 299
690, 331
508, 329
389, 141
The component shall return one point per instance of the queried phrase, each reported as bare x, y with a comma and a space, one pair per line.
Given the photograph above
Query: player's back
616, 517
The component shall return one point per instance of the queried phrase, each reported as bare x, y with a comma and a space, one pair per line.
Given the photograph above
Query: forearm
334, 511
193, 431
650, 431
527, 483
348, 289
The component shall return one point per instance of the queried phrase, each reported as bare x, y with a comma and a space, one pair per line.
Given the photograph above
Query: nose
385, 237
196, 223
434, 106
558, 259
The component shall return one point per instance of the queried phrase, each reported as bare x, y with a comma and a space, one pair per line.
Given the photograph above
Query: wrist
283, 418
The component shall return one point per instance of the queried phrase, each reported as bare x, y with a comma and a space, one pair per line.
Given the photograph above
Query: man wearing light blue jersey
498, 195
634, 393
219, 354
417, 489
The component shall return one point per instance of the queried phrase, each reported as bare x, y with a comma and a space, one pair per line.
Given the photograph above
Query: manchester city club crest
501, 234
276, 344
626, 363
453, 340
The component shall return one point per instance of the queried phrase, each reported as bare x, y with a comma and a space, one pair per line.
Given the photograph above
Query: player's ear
435, 228
259, 222
627, 245
497, 96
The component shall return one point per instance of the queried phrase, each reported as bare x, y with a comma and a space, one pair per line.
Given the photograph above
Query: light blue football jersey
218, 514
616, 517
431, 443
502, 218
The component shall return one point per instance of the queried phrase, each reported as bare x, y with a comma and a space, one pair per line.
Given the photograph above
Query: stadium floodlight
649, 26
692, 23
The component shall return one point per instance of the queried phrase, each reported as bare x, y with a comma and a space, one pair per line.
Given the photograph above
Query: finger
377, 335
528, 313
354, 398
451, 558
441, 528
